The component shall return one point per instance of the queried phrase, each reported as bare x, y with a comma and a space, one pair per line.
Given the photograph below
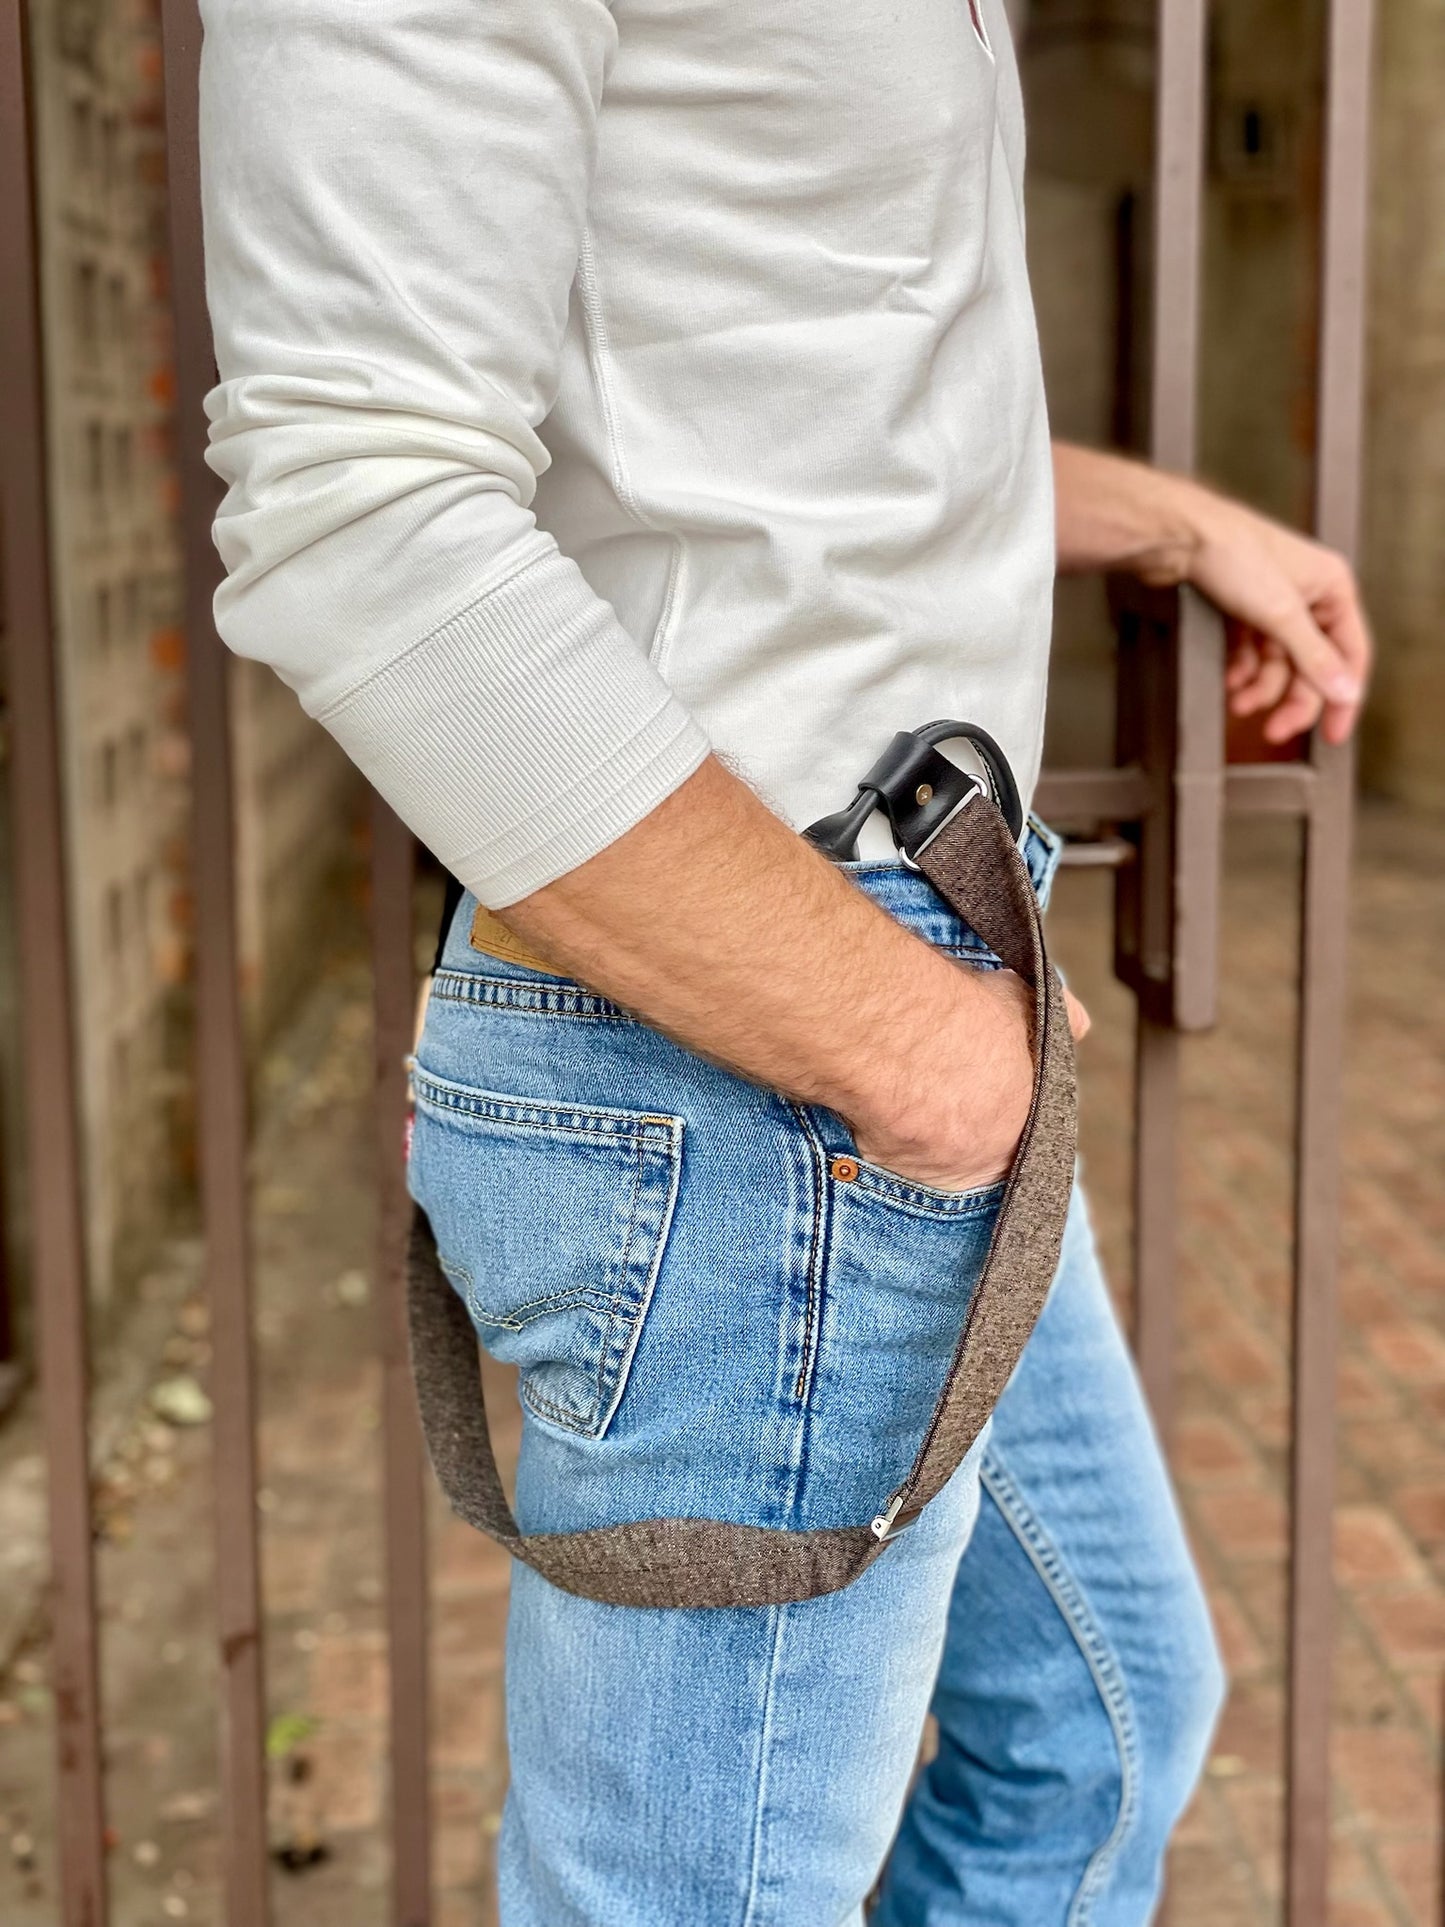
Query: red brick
1263, 1589
1257, 1808
349, 1678
1208, 1449
1245, 1524
468, 1564
1391, 1448
1363, 1691
469, 1716
1349, 1872
294, 1567
1409, 1625
1426, 1687
1242, 1652
1237, 1359
1360, 1392
1251, 1729
1412, 1863
1367, 1300
1413, 1351
1370, 1548
458, 1852
1196, 1823
1388, 1772
346, 1776
1361, 1913
1422, 1507
1266, 1417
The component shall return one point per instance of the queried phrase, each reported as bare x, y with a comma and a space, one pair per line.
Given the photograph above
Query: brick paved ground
319, 1466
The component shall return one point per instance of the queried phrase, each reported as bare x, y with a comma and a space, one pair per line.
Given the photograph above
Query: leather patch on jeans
492, 937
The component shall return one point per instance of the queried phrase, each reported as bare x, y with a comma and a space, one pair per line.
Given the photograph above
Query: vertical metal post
1178, 195
1323, 954
57, 1249
394, 977
221, 1063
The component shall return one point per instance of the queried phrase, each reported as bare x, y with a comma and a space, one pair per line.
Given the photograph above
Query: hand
1300, 647
965, 1132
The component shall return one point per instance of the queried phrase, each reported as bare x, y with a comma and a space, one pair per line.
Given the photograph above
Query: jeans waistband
908, 896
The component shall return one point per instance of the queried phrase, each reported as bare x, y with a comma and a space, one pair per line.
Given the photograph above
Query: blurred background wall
1088, 68
100, 137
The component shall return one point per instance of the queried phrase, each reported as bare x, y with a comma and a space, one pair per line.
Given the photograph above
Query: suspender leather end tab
919, 791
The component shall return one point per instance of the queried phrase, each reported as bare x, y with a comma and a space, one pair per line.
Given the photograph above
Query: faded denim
706, 1320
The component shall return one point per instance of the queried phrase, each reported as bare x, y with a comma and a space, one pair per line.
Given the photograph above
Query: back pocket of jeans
550, 1221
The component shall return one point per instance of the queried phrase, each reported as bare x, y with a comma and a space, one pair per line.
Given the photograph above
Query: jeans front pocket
550, 1221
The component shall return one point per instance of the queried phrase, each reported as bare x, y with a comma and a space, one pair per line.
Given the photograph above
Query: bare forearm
723, 928
1302, 644
1115, 513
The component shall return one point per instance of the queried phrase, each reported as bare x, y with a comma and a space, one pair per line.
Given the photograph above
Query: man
632, 416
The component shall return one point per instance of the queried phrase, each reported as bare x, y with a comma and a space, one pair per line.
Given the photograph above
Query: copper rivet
845, 1169
924, 793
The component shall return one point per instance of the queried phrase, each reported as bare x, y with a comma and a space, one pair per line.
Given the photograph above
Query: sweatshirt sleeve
394, 194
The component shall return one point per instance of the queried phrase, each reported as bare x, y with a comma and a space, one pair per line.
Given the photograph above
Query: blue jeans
711, 1317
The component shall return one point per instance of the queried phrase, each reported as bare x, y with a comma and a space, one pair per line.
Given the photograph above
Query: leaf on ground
180, 1401
287, 1731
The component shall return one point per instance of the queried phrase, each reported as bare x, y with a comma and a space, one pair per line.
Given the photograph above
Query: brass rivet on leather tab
923, 794
844, 1169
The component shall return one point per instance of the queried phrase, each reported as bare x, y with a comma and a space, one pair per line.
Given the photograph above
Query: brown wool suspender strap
974, 864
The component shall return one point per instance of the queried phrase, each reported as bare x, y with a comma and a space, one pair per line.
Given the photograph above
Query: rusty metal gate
1158, 814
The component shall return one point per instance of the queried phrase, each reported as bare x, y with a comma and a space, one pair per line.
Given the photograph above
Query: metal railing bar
1269, 789
57, 1258
404, 1465
1179, 102
220, 1048
1173, 381
1085, 800
1198, 812
1324, 937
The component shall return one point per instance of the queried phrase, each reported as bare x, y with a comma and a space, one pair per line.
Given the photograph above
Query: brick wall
110, 398
120, 659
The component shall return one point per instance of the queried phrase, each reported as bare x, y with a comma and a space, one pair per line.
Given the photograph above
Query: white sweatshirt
601, 382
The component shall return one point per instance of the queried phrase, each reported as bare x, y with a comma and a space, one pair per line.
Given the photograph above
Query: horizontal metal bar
1099, 853
1086, 800
1088, 797
1269, 789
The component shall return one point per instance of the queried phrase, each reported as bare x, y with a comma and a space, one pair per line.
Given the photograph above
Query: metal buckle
883, 1527
920, 790
910, 862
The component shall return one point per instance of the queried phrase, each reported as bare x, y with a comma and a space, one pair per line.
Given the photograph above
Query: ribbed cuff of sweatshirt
523, 735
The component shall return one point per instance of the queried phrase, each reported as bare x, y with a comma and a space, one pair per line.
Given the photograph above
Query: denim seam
519, 993
514, 1321
542, 1120
813, 1314
749, 1916
939, 1207
623, 1137
593, 1425
1098, 1657
586, 1424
